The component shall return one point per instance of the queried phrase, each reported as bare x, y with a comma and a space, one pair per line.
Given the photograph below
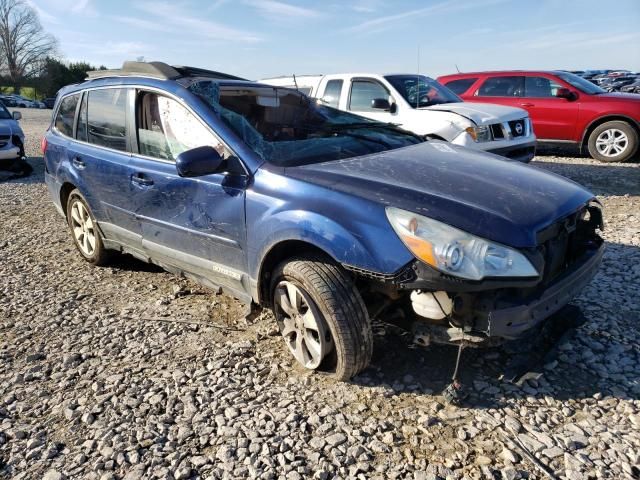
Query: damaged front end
487, 312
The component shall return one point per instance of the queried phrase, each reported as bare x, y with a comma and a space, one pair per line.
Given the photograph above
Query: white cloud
389, 21
276, 9
43, 14
177, 19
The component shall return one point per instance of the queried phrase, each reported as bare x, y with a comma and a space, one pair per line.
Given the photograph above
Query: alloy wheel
612, 142
83, 228
305, 331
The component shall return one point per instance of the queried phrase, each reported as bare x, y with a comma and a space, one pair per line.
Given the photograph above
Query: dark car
632, 87
319, 214
7, 101
49, 102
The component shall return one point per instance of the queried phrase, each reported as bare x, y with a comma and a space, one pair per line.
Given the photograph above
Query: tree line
29, 55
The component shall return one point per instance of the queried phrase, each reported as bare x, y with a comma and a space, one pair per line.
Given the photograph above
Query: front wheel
322, 317
614, 141
84, 230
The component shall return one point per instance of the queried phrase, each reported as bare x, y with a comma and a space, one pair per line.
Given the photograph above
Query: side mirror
380, 104
199, 161
17, 115
566, 93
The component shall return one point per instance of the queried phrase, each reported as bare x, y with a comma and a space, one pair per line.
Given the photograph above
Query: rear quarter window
66, 115
461, 85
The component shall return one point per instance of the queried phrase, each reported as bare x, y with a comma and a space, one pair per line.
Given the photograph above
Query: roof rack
158, 70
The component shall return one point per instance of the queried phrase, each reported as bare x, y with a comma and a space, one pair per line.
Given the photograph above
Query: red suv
563, 108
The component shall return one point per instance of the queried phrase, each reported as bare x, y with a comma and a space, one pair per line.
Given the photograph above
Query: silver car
11, 135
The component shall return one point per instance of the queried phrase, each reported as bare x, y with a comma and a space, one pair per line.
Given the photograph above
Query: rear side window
460, 86
502, 87
66, 114
81, 129
363, 92
106, 118
332, 92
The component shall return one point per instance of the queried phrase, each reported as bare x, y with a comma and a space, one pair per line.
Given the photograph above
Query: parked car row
613, 80
564, 108
21, 102
323, 215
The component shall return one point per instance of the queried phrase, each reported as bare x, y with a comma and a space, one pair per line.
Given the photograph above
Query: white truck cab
420, 104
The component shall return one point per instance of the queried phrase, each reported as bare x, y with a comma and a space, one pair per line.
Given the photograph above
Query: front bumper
510, 319
521, 153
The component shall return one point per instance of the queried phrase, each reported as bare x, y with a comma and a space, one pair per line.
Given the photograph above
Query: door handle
140, 179
527, 105
78, 162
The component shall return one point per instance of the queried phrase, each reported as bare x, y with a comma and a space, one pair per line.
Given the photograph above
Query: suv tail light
43, 145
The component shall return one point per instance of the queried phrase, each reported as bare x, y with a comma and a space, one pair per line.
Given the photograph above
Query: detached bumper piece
511, 322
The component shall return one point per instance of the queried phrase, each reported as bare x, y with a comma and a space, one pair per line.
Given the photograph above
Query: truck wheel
322, 317
614, 141
84, 230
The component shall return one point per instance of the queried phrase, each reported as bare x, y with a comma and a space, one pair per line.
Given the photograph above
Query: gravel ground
130, 372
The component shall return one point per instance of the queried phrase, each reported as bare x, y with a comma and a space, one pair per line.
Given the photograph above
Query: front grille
497, 132
565, 242
518, 128
4, 138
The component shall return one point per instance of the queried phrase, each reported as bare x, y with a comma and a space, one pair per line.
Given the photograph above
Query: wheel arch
65, 191
607, 118
276, 255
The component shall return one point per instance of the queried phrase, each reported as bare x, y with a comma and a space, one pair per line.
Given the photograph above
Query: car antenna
457, 67
295, 82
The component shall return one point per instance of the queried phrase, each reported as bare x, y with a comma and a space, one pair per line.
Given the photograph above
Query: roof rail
158, 70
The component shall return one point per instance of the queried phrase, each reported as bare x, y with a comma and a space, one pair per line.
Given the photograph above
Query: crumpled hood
481, 113
503, 201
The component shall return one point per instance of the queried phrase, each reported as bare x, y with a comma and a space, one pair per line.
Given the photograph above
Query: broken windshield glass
286, 128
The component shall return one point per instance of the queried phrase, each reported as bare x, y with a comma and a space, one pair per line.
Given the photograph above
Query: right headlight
456, 252
480, 133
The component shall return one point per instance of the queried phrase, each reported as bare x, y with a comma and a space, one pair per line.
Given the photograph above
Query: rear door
100, 157
196, 224
503, 90
553, 118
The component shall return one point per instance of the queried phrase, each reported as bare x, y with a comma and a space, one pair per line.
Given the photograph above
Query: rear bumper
511, 321
523, 152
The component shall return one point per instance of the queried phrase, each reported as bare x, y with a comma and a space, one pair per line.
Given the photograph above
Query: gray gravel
103, 377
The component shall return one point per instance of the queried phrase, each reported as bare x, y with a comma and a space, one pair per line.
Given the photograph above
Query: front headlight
480, 133
456, 252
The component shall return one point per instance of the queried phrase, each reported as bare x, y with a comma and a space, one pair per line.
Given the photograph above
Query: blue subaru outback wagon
320, 215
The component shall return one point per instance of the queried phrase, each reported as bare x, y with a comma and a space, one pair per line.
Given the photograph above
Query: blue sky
259, 38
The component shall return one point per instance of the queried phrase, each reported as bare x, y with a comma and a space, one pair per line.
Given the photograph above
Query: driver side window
363, 92
165, 128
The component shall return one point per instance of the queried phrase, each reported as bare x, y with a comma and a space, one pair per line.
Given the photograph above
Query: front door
196, 224
361, 95
553, 118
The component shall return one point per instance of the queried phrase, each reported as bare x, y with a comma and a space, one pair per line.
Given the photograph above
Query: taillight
43, 145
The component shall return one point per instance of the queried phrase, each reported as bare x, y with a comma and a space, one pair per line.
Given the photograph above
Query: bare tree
23, 42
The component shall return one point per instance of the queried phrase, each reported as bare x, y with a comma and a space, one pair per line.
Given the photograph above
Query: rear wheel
614, 141
322, 317
84, 230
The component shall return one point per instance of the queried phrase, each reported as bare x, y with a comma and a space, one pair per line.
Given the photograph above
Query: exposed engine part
432, 305
425, 334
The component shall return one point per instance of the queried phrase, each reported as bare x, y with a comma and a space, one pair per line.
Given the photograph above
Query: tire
83, 228
344, 337
622, 146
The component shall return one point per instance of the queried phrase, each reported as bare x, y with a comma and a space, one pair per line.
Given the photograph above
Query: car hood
481, 113
480, 193
619, 97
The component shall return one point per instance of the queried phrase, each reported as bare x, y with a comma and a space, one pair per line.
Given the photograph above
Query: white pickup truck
423, 106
